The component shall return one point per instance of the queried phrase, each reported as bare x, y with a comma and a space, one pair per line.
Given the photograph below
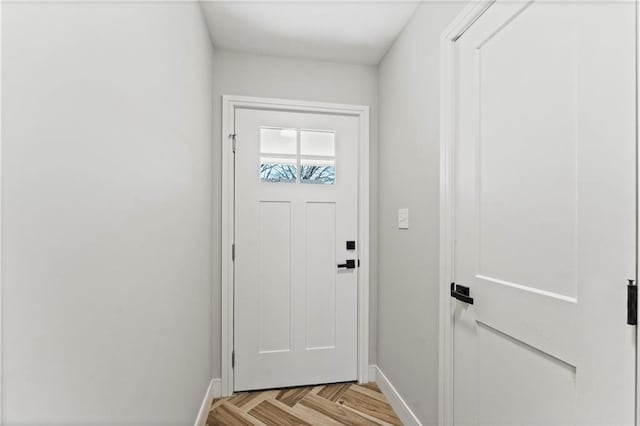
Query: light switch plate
403, 219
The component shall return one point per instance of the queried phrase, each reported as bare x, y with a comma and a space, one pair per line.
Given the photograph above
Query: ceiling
353, 32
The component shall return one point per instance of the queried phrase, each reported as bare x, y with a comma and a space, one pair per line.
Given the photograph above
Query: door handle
632, 303
461, 293
350, 264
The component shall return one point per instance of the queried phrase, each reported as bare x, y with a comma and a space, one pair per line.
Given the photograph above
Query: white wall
107, 162
409, 177
268, 76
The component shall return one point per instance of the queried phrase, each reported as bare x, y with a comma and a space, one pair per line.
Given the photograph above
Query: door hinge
233, 142
233, 359
233, 252
632, 303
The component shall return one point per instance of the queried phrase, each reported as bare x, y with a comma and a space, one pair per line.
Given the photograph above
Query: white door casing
235, 106
540, 166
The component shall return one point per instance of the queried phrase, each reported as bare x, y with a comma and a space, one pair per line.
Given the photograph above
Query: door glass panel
282, 161
318, 171
318, 157
278, 170
278, 141
278, 154
321, 143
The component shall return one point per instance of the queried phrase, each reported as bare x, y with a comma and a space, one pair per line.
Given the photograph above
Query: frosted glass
317, 143
278, 141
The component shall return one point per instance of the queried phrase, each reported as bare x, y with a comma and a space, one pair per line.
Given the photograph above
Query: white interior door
545, 215
296, 208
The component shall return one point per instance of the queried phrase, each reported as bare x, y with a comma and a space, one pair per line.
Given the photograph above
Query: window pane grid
297, 156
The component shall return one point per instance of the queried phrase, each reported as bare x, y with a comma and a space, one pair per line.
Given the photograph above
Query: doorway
295, 281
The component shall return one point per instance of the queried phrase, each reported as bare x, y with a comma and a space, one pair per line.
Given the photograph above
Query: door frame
448, 63
1, 361
230, 104
448, 77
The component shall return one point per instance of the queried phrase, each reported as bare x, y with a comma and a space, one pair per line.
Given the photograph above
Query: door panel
527, 149
525, 383
296, 206
274, 305
545, 214
321, 276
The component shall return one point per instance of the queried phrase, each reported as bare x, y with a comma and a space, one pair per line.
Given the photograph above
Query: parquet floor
332, 405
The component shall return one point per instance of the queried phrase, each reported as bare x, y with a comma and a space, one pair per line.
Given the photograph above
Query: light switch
403, 219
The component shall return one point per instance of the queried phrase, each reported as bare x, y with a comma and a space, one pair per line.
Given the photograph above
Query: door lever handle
350, 264
461, 293
632, 303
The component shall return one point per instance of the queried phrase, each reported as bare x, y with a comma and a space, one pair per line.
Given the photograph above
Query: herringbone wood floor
336, 404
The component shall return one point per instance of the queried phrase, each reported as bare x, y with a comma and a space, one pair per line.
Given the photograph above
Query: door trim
448, 38
1, 361
448, 76
229, 105
637, 4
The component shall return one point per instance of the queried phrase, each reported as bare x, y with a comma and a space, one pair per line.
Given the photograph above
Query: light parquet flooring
332, 405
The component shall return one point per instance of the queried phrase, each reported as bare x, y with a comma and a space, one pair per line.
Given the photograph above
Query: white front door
296, 262
545, 215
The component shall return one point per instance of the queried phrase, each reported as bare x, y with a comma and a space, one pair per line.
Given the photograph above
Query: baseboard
397, 403
372, 373
213, 391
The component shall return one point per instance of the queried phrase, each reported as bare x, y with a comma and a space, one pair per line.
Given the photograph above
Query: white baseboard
213, 391
397, 403
372, 373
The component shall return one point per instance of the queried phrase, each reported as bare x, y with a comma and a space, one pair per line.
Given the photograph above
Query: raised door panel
320, 279
274, 269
